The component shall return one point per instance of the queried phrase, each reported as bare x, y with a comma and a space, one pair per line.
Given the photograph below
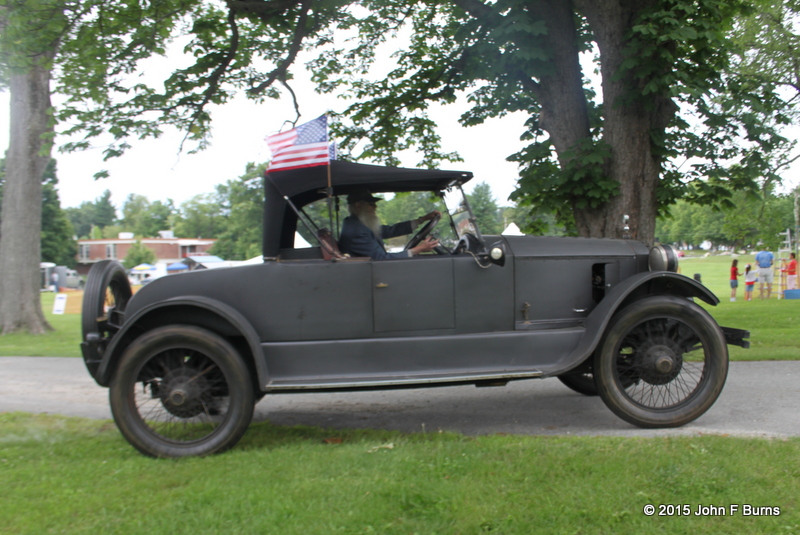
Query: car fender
631, 289
126, 334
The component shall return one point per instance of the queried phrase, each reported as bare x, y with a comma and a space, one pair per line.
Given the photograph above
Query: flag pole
330, 199
330, 182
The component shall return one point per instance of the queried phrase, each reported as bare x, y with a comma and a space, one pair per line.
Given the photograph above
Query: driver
363, 233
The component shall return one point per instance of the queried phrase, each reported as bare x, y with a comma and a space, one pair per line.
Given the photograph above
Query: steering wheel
422, 233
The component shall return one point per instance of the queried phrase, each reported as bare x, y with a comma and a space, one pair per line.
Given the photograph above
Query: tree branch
476, 8
214, 79
301, 32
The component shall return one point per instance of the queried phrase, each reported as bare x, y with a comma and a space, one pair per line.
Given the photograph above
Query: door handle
381, 285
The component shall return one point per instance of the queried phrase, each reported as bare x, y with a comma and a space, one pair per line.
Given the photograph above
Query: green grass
70, 475
774, 324
62, 342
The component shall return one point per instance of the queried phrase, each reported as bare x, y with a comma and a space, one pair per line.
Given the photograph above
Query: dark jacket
358, 240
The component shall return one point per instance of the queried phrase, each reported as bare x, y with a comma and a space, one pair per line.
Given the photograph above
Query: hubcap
664, 364
659, 361
184, 393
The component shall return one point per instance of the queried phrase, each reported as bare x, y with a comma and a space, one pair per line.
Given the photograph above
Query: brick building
167, 250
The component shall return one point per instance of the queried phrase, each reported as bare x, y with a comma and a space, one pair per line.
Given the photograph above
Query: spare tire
105, 297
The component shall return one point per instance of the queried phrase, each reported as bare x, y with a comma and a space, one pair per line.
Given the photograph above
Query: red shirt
791, 269
734, 273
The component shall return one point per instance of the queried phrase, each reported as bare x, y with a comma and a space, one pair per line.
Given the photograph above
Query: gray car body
305, 323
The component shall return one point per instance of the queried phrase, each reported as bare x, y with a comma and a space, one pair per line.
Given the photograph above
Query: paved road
759, 399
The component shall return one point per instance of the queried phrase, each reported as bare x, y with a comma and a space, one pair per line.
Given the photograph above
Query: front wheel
181, 391
662, 362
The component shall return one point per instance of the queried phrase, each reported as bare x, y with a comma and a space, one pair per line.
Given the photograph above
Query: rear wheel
181, 391
662, 362
582, 383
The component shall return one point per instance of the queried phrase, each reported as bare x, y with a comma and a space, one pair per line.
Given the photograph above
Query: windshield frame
462, 206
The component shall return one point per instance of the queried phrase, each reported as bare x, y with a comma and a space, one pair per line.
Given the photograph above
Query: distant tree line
58, 244
233, 214
752, 222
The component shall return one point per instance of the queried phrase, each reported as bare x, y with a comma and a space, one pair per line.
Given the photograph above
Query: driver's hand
428, 217
425, 246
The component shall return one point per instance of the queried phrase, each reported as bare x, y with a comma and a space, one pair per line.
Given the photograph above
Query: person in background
54, 282
750, 278
765, 259
734, 278
791, 272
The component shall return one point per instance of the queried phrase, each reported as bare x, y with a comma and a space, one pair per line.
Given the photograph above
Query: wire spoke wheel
662, 363
184, 396
652, 359
182, 391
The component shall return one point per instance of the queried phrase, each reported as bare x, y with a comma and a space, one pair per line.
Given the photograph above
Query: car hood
549, 246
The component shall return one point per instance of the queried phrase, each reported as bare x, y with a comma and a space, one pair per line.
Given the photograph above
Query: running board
276, 386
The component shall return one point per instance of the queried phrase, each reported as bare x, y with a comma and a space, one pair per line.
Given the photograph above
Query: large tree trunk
627, 128
627, 122
564, 115
20, 231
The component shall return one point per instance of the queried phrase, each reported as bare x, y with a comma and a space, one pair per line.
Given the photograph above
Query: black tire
181, 391
582, 383
105, 296
662, 362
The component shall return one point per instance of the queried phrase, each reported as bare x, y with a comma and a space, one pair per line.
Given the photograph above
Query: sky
155, 169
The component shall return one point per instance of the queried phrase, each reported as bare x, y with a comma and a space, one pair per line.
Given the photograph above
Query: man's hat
361, 195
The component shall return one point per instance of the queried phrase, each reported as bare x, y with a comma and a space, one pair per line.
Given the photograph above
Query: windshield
397, 207
457, 207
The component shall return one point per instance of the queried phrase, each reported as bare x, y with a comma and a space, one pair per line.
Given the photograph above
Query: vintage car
188, 356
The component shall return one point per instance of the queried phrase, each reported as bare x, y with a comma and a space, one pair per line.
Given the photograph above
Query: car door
413, 296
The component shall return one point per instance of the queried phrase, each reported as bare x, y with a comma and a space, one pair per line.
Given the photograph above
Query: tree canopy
671, 118
138, 253
593, 154
86, 47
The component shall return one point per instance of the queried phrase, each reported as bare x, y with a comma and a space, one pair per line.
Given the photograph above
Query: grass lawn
62, 342
73, 475
774, 324
70, 475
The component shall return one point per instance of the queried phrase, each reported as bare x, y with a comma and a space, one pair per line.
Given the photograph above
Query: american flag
304, 146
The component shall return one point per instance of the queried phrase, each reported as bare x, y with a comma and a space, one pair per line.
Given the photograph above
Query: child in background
750, 278
734, 278
791, 272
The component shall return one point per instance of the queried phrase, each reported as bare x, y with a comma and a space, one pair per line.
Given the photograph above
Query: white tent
300, 242
512, 230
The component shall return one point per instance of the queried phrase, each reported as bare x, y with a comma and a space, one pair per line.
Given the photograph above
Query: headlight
663, 258
497, 254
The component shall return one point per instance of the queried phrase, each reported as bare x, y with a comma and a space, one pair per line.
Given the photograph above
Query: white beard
371, 220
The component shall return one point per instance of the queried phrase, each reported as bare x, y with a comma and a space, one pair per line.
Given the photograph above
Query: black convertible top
307, 184
347, 175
